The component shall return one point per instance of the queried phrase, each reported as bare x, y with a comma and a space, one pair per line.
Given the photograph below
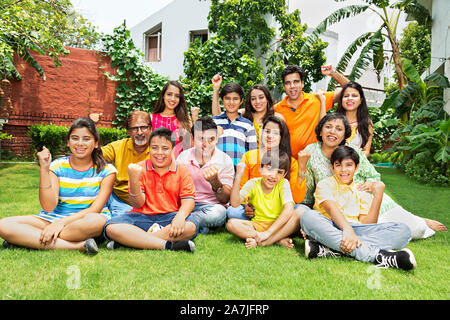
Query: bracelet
134, 195
45, 187
302, 174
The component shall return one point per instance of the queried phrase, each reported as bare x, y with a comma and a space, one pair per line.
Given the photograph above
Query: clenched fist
134, 171
303, 157
45, 158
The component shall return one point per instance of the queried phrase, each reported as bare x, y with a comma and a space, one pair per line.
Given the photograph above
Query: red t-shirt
163, 194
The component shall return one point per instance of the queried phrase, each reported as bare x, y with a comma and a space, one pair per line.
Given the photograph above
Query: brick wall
74, 89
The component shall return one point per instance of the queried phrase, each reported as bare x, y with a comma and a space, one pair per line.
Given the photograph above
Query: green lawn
221, 267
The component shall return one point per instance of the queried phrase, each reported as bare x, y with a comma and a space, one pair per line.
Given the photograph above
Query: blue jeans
236, 213
145, 221
374, 237
208, 215
117, 206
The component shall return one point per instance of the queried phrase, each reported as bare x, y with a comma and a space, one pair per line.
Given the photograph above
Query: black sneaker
112, 245
314, 249
185, 245
91, 246
403, 259
7, 245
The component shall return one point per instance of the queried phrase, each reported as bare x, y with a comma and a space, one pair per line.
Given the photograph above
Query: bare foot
250, 243
435, 225
286, 242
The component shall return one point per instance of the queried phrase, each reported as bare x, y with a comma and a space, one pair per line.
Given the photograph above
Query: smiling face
271, 135
81, 143
344, 170
205, 142
171, 97
258, 100
271, 176
293, 85
351, 99
160, 152
232, 101
139, 131
333, 132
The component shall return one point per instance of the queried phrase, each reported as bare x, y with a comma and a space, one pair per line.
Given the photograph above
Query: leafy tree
44, 27
246, 49
138, 87
415, 45
371, 43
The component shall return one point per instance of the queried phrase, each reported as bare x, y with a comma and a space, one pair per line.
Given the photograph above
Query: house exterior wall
176, 19
181, 16
74, 89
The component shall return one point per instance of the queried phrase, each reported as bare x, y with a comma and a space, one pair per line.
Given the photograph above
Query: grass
221, 267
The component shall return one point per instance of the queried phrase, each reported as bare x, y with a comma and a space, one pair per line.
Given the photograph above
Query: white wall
440, 33
177, 19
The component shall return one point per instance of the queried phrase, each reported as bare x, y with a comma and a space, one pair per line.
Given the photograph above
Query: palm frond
347, 56
366, 55
335, 17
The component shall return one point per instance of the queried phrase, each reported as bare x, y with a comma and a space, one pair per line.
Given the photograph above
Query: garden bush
54, 137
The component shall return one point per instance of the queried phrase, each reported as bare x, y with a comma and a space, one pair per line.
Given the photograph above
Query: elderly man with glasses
125, 151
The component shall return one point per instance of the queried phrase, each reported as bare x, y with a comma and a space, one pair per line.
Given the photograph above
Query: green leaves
245, 49
138, 86
39, 26
423, 138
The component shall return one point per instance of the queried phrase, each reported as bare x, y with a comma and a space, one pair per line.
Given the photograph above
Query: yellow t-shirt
268, 207
121, 153
351, 202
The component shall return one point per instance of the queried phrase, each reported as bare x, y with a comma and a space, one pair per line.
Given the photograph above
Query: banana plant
425, 126
372, 42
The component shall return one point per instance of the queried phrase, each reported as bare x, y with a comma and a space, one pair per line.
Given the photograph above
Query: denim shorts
145, 221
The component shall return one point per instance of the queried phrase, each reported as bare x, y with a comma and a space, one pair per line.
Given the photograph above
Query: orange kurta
252, 164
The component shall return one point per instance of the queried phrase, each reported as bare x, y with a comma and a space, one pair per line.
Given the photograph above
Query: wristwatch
218, 190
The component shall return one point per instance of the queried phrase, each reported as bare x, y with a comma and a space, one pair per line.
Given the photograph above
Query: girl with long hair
258, 107
352, 103
73, 191
171, 112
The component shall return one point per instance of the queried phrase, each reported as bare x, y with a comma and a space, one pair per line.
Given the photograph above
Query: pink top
172, 124
220, 160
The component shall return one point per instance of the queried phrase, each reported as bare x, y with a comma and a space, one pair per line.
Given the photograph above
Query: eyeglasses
136, 129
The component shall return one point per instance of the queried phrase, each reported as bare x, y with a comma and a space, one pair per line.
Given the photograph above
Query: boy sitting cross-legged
270, 195
347, 219
162, 194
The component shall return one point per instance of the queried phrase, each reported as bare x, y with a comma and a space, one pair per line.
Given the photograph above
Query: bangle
302, 174
45, 187
134, 195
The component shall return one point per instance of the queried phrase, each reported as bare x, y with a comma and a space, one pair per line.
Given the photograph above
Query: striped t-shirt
77, 189
238, 136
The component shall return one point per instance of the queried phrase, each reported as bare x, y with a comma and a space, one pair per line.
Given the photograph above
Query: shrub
425, 169
54, 137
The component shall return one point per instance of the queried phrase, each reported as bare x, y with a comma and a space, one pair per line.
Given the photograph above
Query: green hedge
54, 137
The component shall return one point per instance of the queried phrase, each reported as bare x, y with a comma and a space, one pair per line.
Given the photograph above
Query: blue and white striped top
77, 189
238, 136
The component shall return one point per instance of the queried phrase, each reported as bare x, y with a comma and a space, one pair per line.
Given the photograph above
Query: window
201, 35
153, 43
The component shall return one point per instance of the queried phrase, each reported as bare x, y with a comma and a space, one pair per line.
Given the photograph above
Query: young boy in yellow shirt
271, 197
344, 219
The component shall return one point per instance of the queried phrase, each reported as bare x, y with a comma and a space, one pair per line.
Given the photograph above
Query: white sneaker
155, 227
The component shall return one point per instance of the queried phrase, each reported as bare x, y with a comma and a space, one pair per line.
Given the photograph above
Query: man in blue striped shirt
238, 135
